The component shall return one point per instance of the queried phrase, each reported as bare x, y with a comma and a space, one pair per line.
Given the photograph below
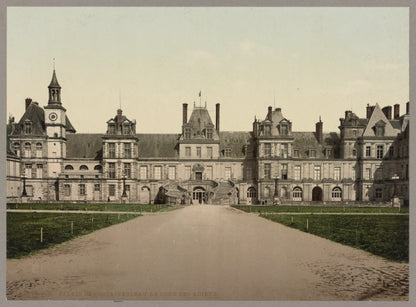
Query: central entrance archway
198, 196
317, 194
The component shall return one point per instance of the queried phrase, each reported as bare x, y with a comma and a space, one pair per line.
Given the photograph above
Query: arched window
16, 148
251, 192
83, 168
337, 194
68, 167
297, 193
98, 168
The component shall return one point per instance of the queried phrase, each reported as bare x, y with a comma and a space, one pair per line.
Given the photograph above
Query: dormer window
379, 131
328, 153
111, 129
284, 129
379, 128
28, 127
312, 153
227, 152
187, 133
126, 129
267, 130
209, 133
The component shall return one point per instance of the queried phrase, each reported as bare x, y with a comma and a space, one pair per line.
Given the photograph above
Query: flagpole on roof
200, 98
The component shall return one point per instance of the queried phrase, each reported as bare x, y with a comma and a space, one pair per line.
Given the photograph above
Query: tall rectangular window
284, 171
228, 173
111, 170
267, 171
39, 170
187, 172
209, 133
297, 172
27, 150
39, 150
296, 153
312, 153
380, 151
67, 190
188, 151
209, 174
317, 172
187, 133
28, 127
112, 189
368, 151
97, 187
111, 150
249, 173
28, 170
127, 150
227, 152
267, 149
127, 170
267, 130
143, 172
337, 173
284, 150
172, 172
368, 174
82, 189
157, 172
391, 151
209, 152
198, 152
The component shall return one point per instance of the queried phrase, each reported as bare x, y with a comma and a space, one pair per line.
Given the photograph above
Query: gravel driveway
204, 252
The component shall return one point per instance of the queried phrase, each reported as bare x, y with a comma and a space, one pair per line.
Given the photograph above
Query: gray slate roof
36, 115
305, 141
84, 145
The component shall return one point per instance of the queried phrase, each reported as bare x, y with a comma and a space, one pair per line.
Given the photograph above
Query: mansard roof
84, 145
306, 141
36, 116
158, 145
199, 119
375, 119
236, 140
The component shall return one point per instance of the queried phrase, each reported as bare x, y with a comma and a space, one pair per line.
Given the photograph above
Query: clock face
53, 116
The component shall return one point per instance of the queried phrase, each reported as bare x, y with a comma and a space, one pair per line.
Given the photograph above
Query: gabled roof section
236, 141
36, 116
375, 119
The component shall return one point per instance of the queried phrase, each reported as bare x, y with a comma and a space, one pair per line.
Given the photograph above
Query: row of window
83, 167
284, 151
207, 133
33, 171
282, 128
297, 175
82, 191
125, 129
127, 152
27, 149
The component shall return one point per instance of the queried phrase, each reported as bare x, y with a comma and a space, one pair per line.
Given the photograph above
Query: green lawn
92, 207
264, 209
386, 236
23, 229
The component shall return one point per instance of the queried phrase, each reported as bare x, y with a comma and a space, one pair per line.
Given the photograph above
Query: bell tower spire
54, 90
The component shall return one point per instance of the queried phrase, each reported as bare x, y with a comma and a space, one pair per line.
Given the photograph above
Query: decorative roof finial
53, 63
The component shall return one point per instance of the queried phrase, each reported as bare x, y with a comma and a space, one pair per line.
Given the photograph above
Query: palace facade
366, 161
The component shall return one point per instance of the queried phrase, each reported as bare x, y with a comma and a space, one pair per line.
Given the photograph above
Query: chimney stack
396, 111
119, 118
255, 127
278, 109
269, 113
407, 107
184, 113
28, 101
387, 112
318, 130
217, 118
370, 110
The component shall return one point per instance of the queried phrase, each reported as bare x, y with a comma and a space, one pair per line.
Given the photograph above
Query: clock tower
55, 122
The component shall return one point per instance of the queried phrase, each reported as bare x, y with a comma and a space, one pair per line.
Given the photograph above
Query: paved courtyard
204, 252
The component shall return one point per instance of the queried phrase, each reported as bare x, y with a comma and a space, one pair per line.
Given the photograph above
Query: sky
310, 62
